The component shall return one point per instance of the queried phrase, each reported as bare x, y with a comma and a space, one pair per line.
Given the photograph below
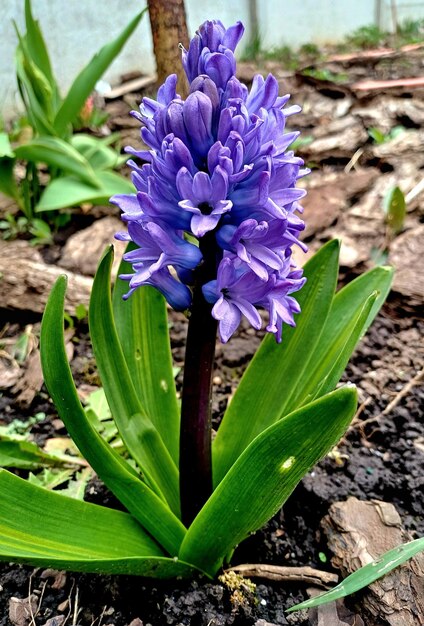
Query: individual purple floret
218, 171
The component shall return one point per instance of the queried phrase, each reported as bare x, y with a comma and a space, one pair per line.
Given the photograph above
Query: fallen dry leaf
22, 610
59, 577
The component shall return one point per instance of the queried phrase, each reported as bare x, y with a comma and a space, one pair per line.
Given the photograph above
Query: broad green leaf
17, 451
37, 47
142, 325
44, 528
365, 575
137, 431
265, 388
116, 473
86, 80
60, 154
352, 311
264, 476
68, 191
98, 154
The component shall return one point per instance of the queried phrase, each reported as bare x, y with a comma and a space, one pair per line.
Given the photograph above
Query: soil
379, 458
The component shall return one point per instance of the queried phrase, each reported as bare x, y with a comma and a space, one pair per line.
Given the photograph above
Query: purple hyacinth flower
233, 293
157, 249
258, 244
205, 197
211, 52
218, 170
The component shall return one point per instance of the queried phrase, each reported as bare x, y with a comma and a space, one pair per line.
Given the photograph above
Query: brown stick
280, 573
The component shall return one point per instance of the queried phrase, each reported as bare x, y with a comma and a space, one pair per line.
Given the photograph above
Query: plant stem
195, 430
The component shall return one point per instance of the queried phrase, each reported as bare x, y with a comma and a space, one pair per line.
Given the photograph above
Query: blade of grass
365, 575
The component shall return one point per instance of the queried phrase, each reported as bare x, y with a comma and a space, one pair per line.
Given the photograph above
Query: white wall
295, 22
76, 29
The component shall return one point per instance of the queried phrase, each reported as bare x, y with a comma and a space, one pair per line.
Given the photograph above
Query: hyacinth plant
211, 228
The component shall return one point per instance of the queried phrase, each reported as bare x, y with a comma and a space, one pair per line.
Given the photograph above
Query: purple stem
195, 430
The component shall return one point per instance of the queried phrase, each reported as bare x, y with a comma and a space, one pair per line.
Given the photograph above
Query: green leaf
97, 403
365, 575
395, 209
44, 528
51, 478
69, 191
8, 184
353, 309
142, 325
277, 368
77, 486
264, 476
17, 451
58, 153
37, 47
377, 135
34, 77
98, 154
115, 472
137, 431
5, 147
86, 80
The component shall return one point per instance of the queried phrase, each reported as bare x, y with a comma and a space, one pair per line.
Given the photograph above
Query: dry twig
280, 573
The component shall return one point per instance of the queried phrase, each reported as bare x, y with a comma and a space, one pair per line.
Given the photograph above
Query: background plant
79, 166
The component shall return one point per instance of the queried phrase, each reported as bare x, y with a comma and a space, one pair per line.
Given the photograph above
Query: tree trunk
169, 29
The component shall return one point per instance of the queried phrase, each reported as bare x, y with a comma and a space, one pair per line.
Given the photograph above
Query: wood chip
322, 207
137, 84
30, 382
27, 287
379, 53
379, 85
358, 532
9, 371
406, 254
83, 250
